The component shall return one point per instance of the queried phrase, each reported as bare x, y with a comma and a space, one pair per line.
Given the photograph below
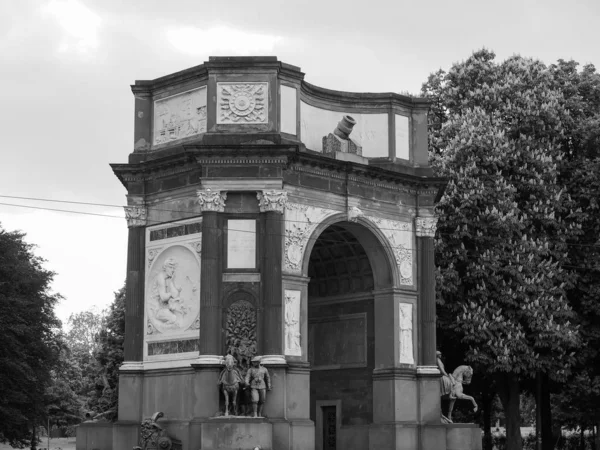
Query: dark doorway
329, 427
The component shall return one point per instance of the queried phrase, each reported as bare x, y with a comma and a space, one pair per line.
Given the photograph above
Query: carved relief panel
292, 334
400, 239
300, 223
242, 103
180, 116
240, 330
172, 293
406, 333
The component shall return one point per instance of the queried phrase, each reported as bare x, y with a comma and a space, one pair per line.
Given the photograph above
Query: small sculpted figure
258, 380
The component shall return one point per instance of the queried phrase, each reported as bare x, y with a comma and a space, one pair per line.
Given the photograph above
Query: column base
132, 366
209, 360
273, 360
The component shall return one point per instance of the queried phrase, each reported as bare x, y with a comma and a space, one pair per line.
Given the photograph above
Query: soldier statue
259, 382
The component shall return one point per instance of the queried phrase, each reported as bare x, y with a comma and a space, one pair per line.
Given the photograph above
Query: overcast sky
66, 109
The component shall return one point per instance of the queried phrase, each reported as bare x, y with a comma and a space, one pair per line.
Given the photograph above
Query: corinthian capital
135, 215
272, 200
211, 200
426, 226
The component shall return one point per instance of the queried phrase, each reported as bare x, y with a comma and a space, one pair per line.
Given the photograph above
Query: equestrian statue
452, 386
229, 382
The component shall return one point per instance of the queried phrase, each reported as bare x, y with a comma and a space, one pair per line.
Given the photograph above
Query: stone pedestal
463, 436
95, 435
236, 434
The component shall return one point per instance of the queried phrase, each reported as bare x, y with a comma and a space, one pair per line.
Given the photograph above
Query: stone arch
376, 245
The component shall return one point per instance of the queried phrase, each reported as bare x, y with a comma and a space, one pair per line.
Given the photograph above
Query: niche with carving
240, 329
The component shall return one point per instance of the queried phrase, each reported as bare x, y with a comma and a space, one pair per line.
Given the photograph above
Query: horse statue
229, 381
452, 389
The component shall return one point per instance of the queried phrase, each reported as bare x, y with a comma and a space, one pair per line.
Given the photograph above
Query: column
131, 371
428, 374
272, 205
134, 298
211, 203
425, 227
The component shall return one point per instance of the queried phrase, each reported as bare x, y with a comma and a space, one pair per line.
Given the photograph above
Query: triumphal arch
270, 217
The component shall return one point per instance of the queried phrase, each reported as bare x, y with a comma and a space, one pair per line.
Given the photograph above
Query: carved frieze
211, 200
425, 226
242, 103
180, 116
292, 323
136, 216
272, 200
406, 333
300, 222
399, 237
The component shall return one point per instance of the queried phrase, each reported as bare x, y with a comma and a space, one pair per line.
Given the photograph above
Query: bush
566, 442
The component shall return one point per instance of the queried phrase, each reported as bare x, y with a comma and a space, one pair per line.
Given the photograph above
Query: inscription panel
241, 244
180, 116
338, 342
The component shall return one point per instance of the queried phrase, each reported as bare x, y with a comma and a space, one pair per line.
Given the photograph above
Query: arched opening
346, 264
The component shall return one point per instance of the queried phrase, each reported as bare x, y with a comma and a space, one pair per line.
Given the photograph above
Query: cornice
191, 157
196, 73
360, 100
156, 168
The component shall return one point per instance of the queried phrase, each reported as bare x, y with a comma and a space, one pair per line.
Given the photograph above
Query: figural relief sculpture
245, 103
292, 323
180, 116
406, 333
172, 293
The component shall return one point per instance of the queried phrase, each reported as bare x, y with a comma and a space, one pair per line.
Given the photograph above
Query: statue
259, 382
166, 293
451, 386
154, 437
229, 381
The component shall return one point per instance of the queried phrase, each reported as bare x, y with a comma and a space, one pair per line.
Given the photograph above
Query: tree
577, 402
109, 356
84, 329
502, 243
82, 341
62, 399
28, 332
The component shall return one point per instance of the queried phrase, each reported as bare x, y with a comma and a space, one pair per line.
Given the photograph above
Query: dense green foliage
517, 247
109, 356
30, 348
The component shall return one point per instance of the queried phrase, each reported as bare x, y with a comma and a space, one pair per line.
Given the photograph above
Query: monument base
226, 433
